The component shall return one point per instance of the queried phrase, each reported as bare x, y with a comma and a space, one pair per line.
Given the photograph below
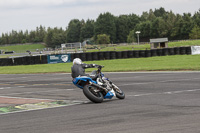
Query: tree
55, 37
131, 37
195, 32
105, 24
145, 29
196, 18
74, 31
103, 39
187, 25
122, 29
87, 30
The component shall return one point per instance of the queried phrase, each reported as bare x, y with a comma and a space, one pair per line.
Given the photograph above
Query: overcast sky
28, 14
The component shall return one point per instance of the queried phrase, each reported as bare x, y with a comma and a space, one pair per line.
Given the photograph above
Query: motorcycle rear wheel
89, 92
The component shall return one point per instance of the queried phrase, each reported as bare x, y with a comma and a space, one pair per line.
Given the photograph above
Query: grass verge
164, 63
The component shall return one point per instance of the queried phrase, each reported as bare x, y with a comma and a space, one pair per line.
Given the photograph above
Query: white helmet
77, 61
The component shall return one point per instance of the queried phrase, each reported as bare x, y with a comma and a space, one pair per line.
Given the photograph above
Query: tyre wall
107, 55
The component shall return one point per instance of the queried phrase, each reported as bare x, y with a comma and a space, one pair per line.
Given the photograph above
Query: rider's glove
93, 65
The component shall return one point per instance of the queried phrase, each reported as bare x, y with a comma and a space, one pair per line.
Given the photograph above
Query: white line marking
27, 98
165, 81
168, 93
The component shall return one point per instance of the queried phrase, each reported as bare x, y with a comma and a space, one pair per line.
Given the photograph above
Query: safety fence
90, 56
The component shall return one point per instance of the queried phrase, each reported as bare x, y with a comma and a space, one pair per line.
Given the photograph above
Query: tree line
108, 28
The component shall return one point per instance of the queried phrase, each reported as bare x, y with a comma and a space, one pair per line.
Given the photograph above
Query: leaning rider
78, 68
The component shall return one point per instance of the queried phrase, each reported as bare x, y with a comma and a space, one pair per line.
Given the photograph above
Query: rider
78, 68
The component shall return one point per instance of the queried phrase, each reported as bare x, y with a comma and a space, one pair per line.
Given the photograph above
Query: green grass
184, 43
147, 46
22, 48
164, 63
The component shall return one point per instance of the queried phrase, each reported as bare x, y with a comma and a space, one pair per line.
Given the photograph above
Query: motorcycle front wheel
119, 93
93, 94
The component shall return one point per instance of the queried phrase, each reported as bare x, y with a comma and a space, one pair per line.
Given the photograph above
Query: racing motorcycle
99, 89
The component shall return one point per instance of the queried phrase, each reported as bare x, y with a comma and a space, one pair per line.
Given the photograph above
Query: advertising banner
61, 58
195, 50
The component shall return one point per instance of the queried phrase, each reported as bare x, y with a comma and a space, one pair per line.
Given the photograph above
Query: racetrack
155, 102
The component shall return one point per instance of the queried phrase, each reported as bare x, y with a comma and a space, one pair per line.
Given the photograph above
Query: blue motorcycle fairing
109, 95
81, 81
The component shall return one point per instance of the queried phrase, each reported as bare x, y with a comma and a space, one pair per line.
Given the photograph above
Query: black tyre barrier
130, 54
153, 52
171, 51
118, 54
43, 59
29, 60
88, 56
142, 53
72, 57
95, 56
165, 51
18, 61
159, 52
124, 54
177, 50
188, 50
107, 55
136, 54
36, 60
83, 56
147, 53
6, 62
101, 55
112, 55
76, 55
182, 50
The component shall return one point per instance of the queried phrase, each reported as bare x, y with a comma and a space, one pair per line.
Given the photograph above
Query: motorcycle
99, 89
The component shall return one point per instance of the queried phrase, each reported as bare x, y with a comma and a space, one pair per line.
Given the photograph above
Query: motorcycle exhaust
98, 86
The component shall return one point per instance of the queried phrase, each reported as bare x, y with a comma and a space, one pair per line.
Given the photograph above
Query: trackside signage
195, 50
61, 58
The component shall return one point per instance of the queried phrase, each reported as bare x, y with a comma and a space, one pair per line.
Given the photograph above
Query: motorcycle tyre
119, 95
91, 96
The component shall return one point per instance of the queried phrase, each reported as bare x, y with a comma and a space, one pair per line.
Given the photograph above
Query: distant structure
71, 45
159, 43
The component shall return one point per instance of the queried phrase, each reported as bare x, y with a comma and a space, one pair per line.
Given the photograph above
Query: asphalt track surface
156, 102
